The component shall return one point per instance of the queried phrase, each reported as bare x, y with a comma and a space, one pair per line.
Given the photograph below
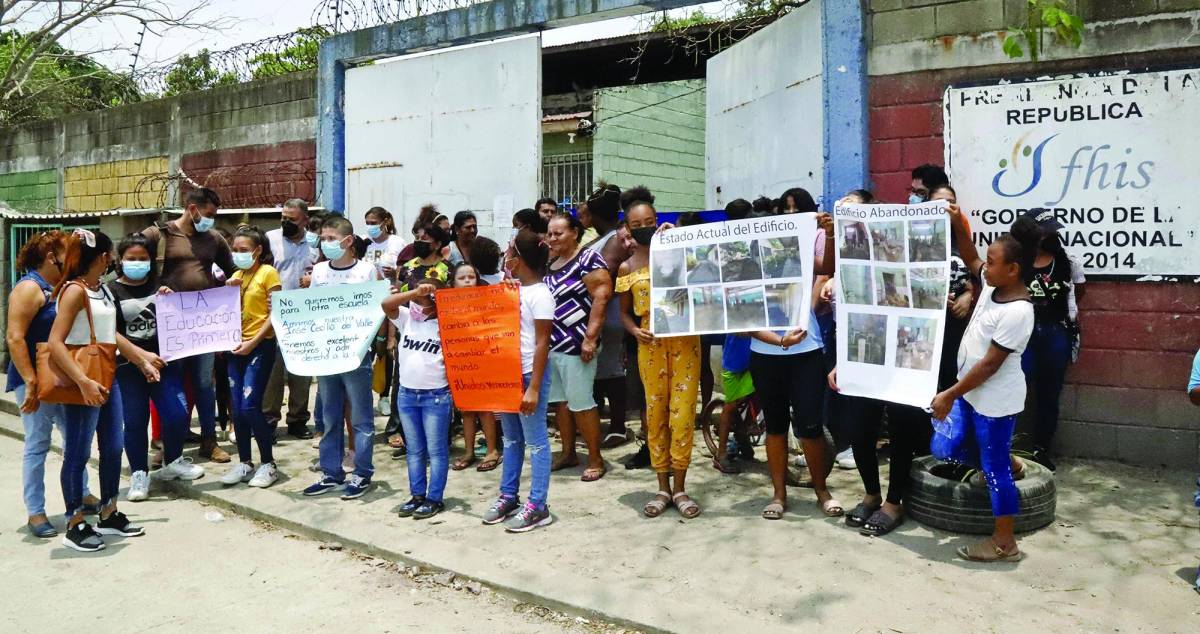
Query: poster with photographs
893, 276
736, 276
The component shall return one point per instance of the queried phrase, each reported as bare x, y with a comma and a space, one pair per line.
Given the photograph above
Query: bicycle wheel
710, 419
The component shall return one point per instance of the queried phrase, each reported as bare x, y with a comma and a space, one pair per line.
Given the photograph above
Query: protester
529, 219
442, 222
485, 255
579, 281
545, 207
525, 263
187, 249
383, 246
465, 276
427, 258
797, 201
31, 313
1056, 282
924, 179
353, 387
603, 209
295, 248
250, 362
423, 396
425, 216
669, 367
737, 385
464, 230
134, 292
990, 391
788, 371
958, 303
1193, 390
87, 314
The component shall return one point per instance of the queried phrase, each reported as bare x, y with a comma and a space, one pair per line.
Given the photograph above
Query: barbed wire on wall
351, 15
240, 187
232, 65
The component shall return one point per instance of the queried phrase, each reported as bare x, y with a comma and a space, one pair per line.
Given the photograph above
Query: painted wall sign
1112, 155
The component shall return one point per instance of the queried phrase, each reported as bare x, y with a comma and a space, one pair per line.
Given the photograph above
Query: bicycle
748, 425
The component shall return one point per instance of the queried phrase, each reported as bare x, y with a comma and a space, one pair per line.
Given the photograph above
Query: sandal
688, 507
591, 475
987, 551
773, 511
727, 466
463, 463
831, 507
560, 464
860, 515
613, 441
655, 507
880, 524
395, 441
488, 465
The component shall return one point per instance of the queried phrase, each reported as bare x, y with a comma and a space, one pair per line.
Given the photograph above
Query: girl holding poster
250, 363
422, 396
465, 275
525, 262
990, 391
669, 367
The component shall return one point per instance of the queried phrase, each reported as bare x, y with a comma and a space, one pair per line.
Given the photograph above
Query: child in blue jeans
990, 391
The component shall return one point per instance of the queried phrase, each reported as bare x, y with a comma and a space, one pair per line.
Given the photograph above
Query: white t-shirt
536, 303
104, 317
325, 274
384, 254
292, 259
1009, 325
420, 364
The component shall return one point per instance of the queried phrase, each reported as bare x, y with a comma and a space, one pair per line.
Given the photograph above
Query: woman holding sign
669, 367
251, 361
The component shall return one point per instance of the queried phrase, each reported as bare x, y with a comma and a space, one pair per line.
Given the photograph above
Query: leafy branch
1044, 15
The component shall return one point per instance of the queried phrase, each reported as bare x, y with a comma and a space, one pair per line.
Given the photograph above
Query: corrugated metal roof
566, 117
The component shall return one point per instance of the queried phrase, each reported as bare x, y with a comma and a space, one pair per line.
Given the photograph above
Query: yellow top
637, 282
256, 308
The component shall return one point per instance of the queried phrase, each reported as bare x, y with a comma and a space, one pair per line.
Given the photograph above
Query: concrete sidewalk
1121, 555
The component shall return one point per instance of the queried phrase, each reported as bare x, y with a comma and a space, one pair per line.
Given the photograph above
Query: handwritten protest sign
893, 275
327, 330
481, 341
196, 322
734, 276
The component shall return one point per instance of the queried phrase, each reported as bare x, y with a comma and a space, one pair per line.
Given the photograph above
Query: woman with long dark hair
463, 232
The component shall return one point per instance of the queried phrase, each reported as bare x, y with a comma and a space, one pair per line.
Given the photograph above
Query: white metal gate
460, 128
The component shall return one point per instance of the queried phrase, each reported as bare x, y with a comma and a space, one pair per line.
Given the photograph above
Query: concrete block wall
1125, 398
129, 184
37, 190
653, 135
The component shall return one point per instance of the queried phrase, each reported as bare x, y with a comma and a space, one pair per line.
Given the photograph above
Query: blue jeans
248, 377
199, 370
336, 390
990, 440
169, 400
37, 445
521, 431
82, 424
1045, 362
426, 415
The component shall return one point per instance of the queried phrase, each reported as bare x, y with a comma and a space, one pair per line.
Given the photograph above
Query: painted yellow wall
115, 185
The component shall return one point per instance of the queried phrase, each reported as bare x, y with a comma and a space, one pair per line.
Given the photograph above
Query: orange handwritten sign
481, 341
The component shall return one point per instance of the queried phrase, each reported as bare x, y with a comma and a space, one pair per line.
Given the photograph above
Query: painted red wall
252, 176
1125, 398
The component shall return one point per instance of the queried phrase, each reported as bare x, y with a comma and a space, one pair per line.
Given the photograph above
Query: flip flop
487, 465
591, 475
859, 516
987, 551
462, 463
773, 511
831, 507
687, 508
656, 506
880, 524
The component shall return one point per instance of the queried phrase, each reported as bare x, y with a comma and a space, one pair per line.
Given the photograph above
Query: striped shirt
573, 303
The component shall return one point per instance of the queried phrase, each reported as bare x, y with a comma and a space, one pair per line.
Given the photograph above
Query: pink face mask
416, 312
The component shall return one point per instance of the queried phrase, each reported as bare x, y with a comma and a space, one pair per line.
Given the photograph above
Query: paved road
233, 575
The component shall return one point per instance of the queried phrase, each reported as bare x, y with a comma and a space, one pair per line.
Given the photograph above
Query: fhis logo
1090, 168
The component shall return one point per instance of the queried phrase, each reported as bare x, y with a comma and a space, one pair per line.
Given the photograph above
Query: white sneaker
845, 460
139, 486
181, 469
265, 476
383, 407
240, 472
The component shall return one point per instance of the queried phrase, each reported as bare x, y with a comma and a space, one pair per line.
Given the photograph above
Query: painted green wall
653, 135
557, 143
30, 191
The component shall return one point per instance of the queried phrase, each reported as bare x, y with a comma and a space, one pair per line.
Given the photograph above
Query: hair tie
88, 237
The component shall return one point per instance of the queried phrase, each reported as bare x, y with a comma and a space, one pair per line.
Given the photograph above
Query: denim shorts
571, 380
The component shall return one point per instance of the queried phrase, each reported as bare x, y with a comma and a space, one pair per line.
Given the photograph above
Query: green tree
195, 72
300, 55
1042, 15
58, 82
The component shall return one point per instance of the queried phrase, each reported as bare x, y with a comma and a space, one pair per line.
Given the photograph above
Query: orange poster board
481, 341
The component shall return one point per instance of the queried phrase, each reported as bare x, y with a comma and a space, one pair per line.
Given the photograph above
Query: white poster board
1112, 155
329, 329
893, 277
734, 276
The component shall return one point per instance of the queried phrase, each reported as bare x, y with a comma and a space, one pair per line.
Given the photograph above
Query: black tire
960, 507
710, 418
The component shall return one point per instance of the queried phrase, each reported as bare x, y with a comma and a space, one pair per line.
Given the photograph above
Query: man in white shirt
294, 245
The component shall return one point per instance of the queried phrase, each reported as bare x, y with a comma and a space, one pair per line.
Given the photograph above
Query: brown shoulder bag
97, 360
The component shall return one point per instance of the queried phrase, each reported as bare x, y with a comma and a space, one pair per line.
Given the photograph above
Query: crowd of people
584, 286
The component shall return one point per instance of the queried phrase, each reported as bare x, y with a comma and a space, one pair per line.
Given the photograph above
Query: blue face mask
914, 199
332, 249
136, 270
311, 238
204, 224
374, 231
243, 260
